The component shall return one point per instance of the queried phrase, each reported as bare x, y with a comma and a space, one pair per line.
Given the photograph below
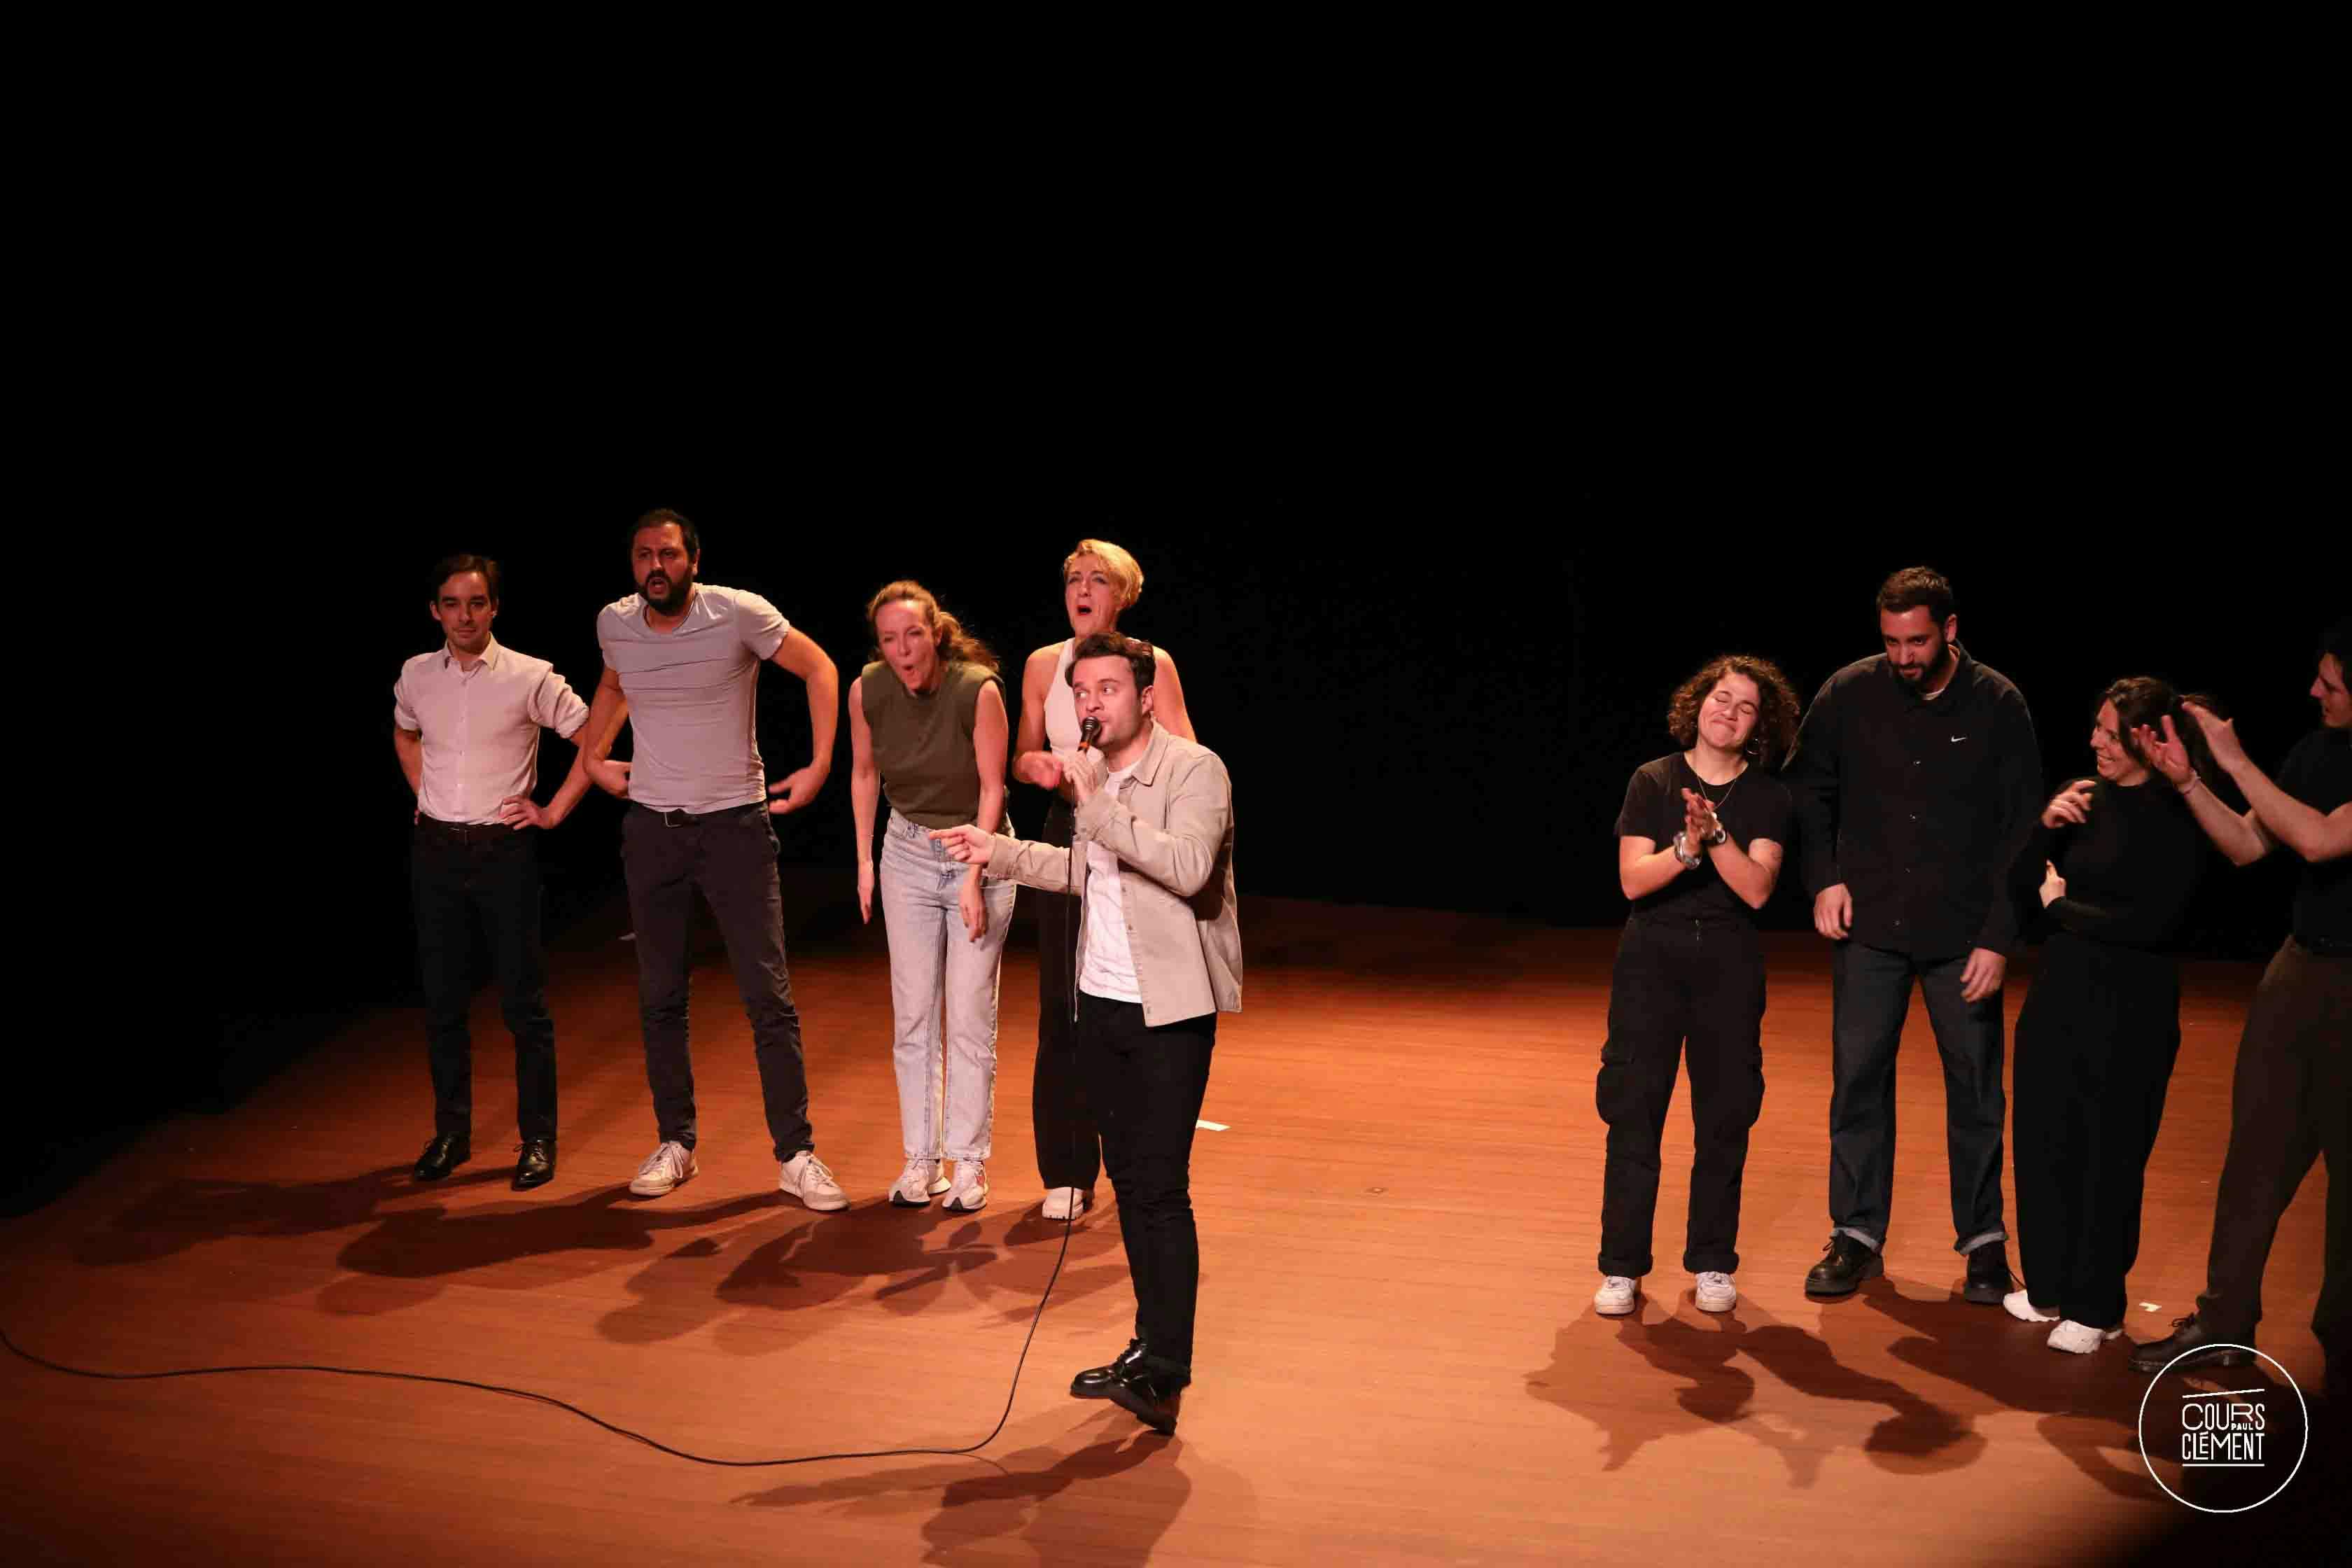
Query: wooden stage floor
1399, 1360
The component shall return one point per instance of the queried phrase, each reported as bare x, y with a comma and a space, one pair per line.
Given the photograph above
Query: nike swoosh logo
1959, 737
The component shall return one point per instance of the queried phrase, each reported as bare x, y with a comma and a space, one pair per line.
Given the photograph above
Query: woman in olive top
1100, 581
927, 728
2098, 1033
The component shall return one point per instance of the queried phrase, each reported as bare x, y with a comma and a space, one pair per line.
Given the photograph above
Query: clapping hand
2221, 735
2166, 755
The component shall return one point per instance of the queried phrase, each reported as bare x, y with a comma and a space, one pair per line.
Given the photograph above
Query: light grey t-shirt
692, 695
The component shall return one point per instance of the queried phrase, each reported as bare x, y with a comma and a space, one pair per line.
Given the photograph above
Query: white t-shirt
1109, 969
692, 696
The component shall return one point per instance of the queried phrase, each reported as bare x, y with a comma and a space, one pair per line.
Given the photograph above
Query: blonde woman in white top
1100, 581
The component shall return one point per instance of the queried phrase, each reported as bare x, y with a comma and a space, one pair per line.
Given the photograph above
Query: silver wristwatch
1683, 855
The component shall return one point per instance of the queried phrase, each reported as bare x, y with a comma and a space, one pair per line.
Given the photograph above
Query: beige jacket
1172, 830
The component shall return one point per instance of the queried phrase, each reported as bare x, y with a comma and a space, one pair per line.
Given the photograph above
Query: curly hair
956, 645
1775, 705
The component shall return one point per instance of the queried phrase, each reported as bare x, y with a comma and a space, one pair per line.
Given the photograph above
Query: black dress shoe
1096, 1382
2187, 1334
1846, 1265
537, 1166
1989, 1276
1150, 1394
444, 1155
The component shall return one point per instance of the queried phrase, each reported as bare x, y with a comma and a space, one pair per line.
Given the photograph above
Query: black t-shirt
2318, 773
1757, 806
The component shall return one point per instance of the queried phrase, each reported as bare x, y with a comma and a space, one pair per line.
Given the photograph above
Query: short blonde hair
1123, 568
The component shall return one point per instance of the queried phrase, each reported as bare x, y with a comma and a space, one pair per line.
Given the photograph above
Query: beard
672, 600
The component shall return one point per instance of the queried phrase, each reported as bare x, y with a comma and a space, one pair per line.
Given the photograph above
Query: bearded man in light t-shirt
682, 663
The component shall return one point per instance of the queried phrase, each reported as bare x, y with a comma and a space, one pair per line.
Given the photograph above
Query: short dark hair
451, 565
1138, 654
1917, 587
662, 514
2336, 643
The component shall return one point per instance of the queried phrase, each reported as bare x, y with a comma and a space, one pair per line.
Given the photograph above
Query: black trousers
1067, 1139
1678, 984
1145, 1085
731, 856
2095, 1044
458, 878
2290, 1103
1870, 993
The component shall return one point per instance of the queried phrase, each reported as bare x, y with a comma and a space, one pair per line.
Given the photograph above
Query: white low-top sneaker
2018, 1305
664, 1169
1716, 1293
1065, 1203
1615, 1297
2080, 1339
805, 1178
970, 1189
918, 1184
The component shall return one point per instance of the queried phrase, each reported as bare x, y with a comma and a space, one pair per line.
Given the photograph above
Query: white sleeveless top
1061, 707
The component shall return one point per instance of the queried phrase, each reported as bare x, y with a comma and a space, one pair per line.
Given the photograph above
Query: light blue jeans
936, 966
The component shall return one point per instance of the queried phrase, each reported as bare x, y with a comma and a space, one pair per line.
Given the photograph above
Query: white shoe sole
645, 1189
2105, 1336
1717, 1303
975, 1201
1608, 1311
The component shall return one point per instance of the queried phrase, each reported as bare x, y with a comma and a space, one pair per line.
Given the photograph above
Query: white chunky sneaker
1065, 1203
918, 1184
970, 1189
1716, 1293
2018, 1305
805, 1178
664, 1169
2080, 1337
1615, 1297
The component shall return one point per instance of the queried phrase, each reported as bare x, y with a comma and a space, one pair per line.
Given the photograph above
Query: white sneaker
1716, 1291
1065, 1203
918, 1184
2080, 1337
806, 1177
1615, 1297
664, 1169
970, 1189
2021, 1306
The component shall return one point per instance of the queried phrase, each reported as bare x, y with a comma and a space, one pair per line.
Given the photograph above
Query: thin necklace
1715, 803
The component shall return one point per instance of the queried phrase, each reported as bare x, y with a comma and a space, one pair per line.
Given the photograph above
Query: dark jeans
456, 876
731, 856
2096, 1042
1145, 1085
2290, 1103
1064, 1127
1870, 993
1677, 981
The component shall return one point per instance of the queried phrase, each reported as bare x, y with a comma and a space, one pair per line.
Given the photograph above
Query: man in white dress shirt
682, 662
465, 724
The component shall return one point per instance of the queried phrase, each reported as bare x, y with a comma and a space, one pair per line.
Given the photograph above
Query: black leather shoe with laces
1096, 1382
1844, 1265
537, 1166
2186, 1335
444, 1155
1989, 1276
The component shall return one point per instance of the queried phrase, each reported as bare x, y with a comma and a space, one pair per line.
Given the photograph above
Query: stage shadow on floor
2088, 1404
1109, 1502
181, 1214
1717, 1361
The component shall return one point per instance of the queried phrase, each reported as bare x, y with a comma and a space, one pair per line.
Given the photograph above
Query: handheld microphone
1089, 731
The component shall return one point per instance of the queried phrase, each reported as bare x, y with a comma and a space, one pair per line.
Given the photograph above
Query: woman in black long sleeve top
2097, 1036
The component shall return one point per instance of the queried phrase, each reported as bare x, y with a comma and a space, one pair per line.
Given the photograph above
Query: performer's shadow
2088, 1404
181, 1214
972, 1518
1918, 1436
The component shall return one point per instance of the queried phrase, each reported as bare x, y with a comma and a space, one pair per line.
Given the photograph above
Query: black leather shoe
2188, 1333
444, 1155
1152, 1396
537, 1166
1847, 1263
1989, 1276
1096, 1382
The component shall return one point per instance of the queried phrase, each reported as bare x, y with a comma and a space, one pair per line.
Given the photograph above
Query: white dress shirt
481, 726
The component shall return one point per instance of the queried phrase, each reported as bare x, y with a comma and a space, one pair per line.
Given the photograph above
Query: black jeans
2095, 1044
1677, 981
1064, 1127
1870, 993
731, 856
1145, 1085
2290, 1103
456, 876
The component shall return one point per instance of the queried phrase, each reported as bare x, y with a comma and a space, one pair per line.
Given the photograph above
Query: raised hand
2164, 753
1085, 772
2071, 804
2220, 733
